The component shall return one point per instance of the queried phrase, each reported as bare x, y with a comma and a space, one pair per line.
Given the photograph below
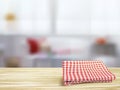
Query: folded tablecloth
75, 72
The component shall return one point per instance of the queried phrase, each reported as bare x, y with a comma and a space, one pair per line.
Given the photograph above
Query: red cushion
34, 45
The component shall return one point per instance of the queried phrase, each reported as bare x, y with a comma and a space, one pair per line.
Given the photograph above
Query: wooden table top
47, 79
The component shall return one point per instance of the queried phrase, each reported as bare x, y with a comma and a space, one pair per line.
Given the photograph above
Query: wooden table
47, 79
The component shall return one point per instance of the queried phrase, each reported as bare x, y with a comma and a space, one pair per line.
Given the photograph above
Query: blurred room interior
43, 33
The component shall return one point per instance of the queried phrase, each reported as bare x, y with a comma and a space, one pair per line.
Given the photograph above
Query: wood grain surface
48, 79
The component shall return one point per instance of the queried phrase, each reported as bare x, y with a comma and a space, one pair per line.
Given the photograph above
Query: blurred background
43, 33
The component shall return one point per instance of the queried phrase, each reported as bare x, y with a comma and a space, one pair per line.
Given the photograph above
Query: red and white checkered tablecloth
75, 72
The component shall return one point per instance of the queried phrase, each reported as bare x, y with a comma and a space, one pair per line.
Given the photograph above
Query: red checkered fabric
75, 72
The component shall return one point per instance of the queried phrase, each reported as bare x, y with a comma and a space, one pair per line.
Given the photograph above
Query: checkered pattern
75, 72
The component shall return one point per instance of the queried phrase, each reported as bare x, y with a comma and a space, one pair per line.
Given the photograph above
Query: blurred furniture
101, 41
48, 79
12, 62
33, 46
56, 60
104, 49
106, 52
40, 60
2, 55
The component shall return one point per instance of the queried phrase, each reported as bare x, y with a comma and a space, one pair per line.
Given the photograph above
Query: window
105, 17
63, 17
33, 16
73, 17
